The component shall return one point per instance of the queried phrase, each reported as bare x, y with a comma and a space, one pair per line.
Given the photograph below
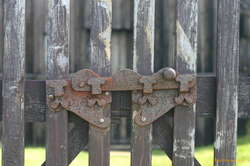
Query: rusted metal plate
149, 107
87, 94
87, 106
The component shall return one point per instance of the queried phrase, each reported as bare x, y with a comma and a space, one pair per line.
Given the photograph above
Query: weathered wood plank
227, 82
184, 116
13, 83
100, 58
143, 63
57, 68
1, 33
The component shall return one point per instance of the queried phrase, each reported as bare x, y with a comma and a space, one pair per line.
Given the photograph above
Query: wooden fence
24, 100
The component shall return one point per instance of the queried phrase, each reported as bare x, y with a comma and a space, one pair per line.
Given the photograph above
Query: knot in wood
95, 84
148, 83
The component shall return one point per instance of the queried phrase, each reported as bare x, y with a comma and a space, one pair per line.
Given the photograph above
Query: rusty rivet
143, 119
101, 120
169, 74
82, 84
51, 97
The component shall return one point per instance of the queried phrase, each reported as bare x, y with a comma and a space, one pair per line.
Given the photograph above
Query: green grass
35, 156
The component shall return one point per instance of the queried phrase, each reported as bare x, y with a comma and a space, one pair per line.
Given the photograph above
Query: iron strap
88, 95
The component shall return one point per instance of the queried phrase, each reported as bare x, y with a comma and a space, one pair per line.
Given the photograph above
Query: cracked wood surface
143, 63
13, 83
57, 60
186, 55
227, 83
100, 59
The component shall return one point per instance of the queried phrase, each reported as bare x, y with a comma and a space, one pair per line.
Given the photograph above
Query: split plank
100, 59
13, 83
143, 63
186, 55
57, 68
227, 82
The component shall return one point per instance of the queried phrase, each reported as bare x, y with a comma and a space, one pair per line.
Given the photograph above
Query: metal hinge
88, 95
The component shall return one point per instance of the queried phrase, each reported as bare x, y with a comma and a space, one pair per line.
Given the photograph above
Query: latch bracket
88, 95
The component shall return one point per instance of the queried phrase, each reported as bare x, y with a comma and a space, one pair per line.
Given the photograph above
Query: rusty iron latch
88, 95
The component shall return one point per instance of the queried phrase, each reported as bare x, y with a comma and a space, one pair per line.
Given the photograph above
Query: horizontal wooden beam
35, 99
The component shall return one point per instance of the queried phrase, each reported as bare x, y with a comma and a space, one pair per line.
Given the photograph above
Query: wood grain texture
100, 37
143, 63
184, 116
13, 83
57, 68
100, 58
1, 33
227, 82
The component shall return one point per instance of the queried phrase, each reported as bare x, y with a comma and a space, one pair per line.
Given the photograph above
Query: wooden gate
25, 100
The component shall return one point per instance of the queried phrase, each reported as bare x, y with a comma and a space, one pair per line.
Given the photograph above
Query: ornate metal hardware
88, 95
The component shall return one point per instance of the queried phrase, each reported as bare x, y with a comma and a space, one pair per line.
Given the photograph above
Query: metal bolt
169, 74
143, 119
51, 97
82, 84
102, 120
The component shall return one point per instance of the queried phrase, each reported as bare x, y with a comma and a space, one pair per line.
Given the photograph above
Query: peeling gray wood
1, 33
13, 83
144, 25
143, 63
184, 117
100, 36
100, 58
57, 68
227, 82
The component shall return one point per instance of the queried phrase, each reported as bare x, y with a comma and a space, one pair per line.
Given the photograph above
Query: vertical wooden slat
227, 82
100, 58
143, 63
1, 33
184, 116
13, 83
57, 68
